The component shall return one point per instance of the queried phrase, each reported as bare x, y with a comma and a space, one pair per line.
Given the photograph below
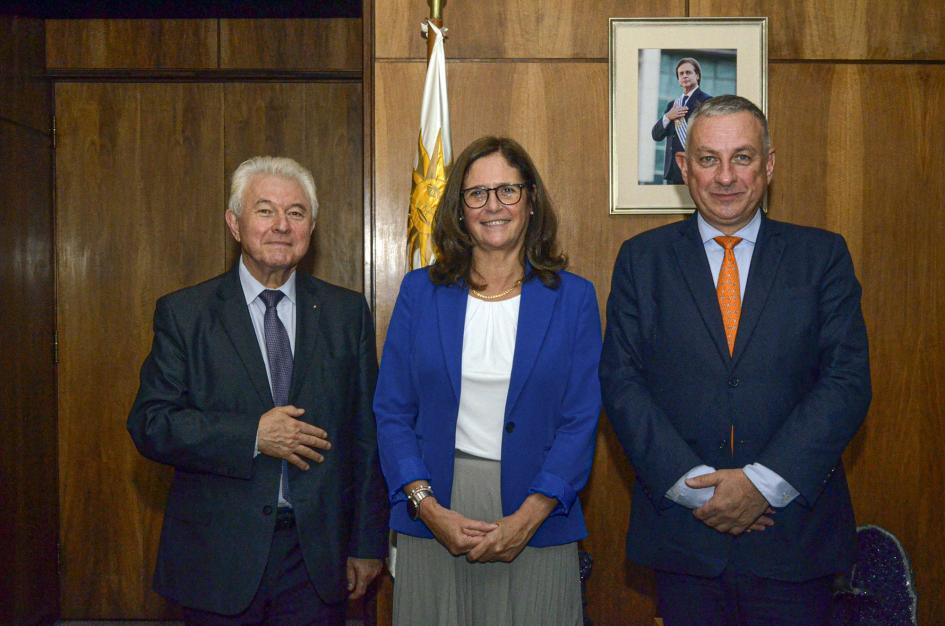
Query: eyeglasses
508, 194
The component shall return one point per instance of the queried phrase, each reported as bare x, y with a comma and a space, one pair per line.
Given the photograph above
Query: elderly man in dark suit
258, 392
673, 124
735, 371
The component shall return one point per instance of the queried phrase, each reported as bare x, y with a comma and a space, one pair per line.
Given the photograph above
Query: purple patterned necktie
279, 353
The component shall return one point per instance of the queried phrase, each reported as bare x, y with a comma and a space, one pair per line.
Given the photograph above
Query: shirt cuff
686, 496
777, 491
665, 122
256, 446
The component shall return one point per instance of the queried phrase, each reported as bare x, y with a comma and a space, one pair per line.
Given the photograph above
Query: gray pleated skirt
541, 587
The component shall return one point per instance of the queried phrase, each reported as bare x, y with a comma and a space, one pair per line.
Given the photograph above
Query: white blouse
488, 348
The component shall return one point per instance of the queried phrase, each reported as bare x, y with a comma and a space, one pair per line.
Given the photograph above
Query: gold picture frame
643, 83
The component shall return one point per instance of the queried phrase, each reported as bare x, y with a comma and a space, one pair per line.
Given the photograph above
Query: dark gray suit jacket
203, 390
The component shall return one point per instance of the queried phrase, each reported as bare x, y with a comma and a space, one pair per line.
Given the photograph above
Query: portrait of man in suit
673, 124
258, 391
735, 371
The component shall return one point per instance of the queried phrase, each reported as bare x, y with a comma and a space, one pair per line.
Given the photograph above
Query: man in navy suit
672, 126
735, 371
258, 392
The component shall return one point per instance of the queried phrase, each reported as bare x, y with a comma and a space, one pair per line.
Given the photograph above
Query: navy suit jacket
551, 410
673, 145
203, 389
796, 390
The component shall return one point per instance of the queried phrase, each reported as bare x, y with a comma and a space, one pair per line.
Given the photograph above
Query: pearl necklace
483, 296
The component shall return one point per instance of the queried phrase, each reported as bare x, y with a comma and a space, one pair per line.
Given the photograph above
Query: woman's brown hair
452, 242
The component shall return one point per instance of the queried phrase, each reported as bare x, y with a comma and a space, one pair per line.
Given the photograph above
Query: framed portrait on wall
661, 71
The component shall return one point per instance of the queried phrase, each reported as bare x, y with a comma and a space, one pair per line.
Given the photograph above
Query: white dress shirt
777, 491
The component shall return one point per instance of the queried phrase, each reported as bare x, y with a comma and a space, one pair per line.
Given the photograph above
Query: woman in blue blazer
487, 404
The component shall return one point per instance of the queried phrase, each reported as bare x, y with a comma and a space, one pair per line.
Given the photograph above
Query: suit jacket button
733, 381
267, 510
510, 427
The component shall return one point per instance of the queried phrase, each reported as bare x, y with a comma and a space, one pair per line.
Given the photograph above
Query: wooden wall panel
876, 30
299, 44
319, 125
491, 29
139, 214
29, 522
131, 44
872, 170
22, 68
29, 513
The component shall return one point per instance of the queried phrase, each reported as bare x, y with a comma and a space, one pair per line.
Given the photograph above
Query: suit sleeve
658, 453
396, 404
163, 423
660, 132
369, 525
568, 463
806, 450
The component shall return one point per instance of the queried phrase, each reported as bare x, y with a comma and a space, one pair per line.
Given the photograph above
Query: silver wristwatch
415, 497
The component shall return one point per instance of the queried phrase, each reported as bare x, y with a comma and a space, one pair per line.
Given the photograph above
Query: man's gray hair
729, 105
275, 166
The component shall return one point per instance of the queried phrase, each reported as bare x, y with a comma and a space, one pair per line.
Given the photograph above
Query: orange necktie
728, 290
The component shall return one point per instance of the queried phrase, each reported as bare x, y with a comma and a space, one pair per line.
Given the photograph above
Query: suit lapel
761, 273
451, 315
694, 267
307, 330
234, 316
534, 315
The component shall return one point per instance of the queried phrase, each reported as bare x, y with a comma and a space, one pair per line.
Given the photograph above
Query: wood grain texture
858, 153
297, 44
29, 524
568, 140
26, 92
319, 125
139, 214
145, 44
875, 30
492, 29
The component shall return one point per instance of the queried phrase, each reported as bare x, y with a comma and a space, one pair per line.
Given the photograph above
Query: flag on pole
434, 156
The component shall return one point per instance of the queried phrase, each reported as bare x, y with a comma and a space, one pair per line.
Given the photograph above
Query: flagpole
436, 17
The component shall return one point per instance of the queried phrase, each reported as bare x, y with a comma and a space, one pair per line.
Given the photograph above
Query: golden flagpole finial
436, 9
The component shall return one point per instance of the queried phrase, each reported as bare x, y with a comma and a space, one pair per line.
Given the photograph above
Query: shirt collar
252, 287
748, 232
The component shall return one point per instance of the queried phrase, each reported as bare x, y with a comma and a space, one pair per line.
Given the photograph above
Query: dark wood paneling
310, 45
858, 152
22, 66
131, 44
29, 513
490, 29
318, 125
140, 213
568, 140
848, 29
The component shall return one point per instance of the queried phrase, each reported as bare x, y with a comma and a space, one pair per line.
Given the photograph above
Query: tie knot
727, 241
271, 297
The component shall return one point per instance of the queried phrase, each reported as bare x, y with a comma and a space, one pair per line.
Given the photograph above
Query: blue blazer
551, 411
796, 390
